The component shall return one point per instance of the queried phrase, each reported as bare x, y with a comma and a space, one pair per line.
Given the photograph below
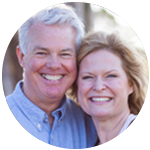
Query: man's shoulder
19, 108
14, 96
10, 100
73, 108
71, 103
82, 121
13, 106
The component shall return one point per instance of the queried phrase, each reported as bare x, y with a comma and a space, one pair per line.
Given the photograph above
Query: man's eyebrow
42, 48
67, 49
62, 50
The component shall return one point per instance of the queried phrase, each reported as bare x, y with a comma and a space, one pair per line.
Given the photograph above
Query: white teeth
101, 99
52, 78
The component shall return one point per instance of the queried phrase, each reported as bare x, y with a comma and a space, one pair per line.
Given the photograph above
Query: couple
110, 86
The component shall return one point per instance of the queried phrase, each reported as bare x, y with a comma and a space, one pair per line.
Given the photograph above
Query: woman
112, 83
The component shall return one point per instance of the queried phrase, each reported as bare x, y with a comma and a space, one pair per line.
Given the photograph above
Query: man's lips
52, 77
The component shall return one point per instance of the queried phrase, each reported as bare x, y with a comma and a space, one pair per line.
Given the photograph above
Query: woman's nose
99, 85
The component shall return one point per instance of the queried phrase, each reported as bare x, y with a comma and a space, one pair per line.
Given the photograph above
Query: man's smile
52, 77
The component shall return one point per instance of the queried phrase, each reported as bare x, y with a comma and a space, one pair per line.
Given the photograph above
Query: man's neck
51, 120
48, 105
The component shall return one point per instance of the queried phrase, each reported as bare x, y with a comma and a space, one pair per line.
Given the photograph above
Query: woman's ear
131, 90
20, 56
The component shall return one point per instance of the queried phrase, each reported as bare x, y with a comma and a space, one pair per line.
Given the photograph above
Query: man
48, 43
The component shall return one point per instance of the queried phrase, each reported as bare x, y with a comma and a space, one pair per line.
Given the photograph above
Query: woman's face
103, 86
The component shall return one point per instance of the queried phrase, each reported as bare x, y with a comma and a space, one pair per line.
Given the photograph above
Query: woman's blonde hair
134, 63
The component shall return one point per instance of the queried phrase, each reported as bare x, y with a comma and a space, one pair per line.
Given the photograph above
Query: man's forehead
52, 31
44, 37
39, 26
34, 44
36, 27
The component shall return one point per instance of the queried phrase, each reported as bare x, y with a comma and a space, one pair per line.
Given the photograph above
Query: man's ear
20, 56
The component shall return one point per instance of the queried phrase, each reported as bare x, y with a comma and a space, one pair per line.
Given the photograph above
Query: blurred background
130, 18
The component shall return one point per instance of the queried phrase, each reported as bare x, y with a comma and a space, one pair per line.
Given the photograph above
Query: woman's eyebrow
112, 70
90, 73
86, 72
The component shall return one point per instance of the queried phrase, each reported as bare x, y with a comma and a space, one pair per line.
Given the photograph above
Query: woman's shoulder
142, 121
133, 125
139, 130
145, 111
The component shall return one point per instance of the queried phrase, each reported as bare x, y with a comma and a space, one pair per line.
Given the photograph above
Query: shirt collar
33, 112
61, 110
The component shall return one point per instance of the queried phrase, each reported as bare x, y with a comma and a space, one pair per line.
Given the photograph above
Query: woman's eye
87, 77
112, 76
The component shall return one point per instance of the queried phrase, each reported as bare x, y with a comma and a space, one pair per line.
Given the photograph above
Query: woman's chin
100, 115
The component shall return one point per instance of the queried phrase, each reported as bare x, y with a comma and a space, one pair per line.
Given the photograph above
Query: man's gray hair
60, 15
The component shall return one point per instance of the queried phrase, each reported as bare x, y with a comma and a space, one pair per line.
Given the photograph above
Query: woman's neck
109, 128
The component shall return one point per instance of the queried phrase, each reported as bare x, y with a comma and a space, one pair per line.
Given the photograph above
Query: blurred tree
84, 11
12, 72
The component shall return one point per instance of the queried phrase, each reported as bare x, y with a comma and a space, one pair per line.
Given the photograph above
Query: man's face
49, 63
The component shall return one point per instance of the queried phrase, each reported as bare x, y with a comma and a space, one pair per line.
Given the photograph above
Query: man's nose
53, 62
99, 85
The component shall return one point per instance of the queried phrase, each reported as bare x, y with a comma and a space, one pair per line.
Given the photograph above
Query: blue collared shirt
72, 128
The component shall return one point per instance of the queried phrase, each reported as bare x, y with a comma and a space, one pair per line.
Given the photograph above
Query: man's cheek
34, 65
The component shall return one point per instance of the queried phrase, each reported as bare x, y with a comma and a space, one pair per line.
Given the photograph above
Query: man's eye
40, 53
87, 77
65, 54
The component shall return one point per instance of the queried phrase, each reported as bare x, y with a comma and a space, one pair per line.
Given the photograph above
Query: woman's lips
100, 99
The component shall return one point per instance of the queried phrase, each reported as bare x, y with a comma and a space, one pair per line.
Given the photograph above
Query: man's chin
55, 94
